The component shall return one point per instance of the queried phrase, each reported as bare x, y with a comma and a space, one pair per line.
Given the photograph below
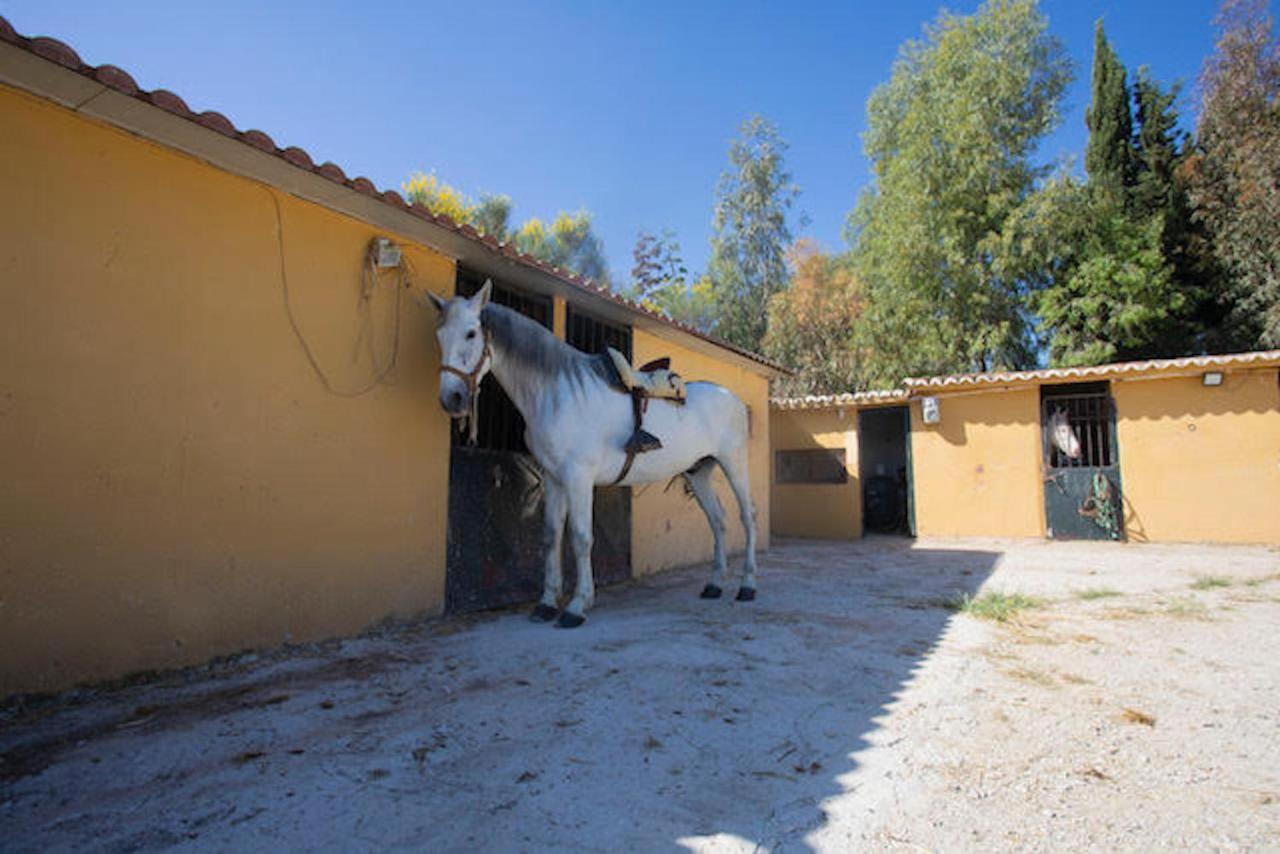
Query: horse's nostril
455, 400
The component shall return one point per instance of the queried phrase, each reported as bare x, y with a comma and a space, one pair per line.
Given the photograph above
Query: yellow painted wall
825, 510
977, 473
667, 528
1201, 463
177, 484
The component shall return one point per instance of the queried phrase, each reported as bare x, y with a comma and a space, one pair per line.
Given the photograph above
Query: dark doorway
495, 540
884, 470
1082, 497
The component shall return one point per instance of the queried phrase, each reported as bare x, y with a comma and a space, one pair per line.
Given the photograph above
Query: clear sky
624, 108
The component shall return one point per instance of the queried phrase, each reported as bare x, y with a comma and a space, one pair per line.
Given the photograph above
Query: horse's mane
537, 350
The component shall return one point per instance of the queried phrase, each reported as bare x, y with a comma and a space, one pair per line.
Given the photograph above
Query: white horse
577, 424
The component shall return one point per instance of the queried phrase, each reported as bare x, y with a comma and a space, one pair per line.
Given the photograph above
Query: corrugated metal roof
121, 81
1152, 367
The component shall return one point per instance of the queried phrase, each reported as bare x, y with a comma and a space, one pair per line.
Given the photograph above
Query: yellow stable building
1169, 450
219, 413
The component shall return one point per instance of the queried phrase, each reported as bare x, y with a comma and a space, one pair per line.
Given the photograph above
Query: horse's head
464, 350
1063, 436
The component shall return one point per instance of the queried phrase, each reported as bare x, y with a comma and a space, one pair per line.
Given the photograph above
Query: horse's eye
471, 334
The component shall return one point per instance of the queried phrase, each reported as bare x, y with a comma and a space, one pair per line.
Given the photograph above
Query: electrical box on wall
386, 253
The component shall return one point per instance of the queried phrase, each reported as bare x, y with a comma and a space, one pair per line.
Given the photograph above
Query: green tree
752, 232
813, 324
1108, 157
657, 263
492, 215
569, 243
950, 137
1102, 287
438, 197
692, 304
1235, 174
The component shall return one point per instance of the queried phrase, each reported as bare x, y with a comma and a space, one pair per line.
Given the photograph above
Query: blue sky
624, 108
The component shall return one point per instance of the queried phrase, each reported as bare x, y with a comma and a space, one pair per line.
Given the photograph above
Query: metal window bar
592, 335
1089, 417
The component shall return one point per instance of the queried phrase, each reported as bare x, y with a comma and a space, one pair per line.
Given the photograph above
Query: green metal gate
1082, 495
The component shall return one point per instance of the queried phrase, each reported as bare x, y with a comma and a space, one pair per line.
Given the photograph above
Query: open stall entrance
884, 470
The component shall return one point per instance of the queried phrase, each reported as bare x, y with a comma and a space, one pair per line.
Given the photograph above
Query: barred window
823, 465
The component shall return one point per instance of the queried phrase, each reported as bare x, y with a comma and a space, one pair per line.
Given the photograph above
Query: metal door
1082, 491
495, 541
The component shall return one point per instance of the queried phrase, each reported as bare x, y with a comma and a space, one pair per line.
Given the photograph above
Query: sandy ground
849, 708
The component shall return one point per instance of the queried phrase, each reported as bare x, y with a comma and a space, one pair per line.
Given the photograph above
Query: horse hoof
710, 592
543, 614
747, 594
570, 621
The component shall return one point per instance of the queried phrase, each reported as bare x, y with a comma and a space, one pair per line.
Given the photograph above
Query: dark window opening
1077, 423
501, 427
592, 335
824, 465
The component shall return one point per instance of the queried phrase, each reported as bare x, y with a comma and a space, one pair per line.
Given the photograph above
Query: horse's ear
434, 301
481, 299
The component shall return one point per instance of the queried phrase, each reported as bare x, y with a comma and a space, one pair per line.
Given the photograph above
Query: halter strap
472, 379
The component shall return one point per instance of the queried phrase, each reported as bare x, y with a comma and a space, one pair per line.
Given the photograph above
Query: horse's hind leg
554, 511
735, 470
699, 480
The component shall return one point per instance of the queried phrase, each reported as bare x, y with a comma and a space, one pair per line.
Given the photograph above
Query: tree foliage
1104, 287
569, 241
692, 304
658, 263
1235, 174
1108, 156
950, 137
752, 232
813, 324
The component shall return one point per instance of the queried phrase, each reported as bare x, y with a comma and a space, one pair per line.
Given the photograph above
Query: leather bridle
472, 379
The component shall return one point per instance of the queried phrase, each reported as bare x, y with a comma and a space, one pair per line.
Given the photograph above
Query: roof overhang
52, 71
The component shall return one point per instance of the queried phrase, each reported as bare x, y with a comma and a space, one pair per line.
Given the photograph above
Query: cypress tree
1109, 159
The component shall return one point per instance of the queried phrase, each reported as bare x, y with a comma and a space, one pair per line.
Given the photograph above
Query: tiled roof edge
121, 81
1115, 369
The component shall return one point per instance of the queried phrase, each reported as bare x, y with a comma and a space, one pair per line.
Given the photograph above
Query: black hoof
710, 592
543, 613
570, 621
747, 594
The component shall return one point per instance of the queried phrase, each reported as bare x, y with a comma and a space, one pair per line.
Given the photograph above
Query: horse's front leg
579, 494
555, 508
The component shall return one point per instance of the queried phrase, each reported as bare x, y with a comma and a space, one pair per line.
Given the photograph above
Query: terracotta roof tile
217, 121
298, 157
55, 51
168, 101
1258, 358
119, 80
116, 78
830, 401
258, 139
332, 171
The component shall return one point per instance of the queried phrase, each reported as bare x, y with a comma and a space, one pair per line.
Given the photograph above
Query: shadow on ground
667, 722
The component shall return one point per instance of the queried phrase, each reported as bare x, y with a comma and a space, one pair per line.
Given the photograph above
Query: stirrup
642, 441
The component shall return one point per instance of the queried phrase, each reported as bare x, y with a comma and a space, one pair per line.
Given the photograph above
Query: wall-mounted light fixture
929, 410
1212, 378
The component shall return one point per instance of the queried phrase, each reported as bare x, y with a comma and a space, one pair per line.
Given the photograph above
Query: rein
472, 379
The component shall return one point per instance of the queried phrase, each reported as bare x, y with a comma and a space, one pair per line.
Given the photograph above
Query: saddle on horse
653, 379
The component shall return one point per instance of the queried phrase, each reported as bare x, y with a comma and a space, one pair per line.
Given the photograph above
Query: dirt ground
851, 707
